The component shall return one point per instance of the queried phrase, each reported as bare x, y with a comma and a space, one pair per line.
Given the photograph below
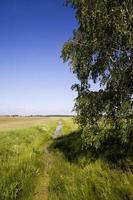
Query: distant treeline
36, 115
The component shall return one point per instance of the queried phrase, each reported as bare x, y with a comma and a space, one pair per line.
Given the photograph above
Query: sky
33, 77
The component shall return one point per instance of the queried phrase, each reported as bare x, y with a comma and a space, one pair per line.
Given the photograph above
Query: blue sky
33, 78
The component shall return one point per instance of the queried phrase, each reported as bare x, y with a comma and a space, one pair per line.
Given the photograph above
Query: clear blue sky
33, 78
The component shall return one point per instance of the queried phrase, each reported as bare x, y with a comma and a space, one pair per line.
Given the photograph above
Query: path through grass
35, 167
22, 159
41, 191
42, 185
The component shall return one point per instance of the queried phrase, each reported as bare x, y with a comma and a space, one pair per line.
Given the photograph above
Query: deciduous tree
101, 50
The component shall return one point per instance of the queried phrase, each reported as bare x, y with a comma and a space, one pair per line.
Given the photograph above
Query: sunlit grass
95, 181
72, 175
76, 176
21, 160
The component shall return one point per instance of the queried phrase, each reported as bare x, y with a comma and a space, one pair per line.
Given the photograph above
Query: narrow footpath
41, 191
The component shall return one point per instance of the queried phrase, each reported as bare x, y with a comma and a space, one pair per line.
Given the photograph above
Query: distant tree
101, 50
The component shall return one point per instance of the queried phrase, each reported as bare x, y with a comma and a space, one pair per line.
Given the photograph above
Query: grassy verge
21, 160
71, 172
76, 176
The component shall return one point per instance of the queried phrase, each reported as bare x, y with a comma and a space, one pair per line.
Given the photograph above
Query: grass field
79, 177
34, 167
21, 152
8, 123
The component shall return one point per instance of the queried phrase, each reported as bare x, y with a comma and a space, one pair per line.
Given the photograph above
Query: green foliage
101, 51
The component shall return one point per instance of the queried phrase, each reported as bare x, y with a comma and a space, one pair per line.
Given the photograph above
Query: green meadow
35, 167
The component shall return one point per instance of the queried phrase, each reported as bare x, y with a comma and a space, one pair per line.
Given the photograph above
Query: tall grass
21, 153
95, 181
73, 174
76, 176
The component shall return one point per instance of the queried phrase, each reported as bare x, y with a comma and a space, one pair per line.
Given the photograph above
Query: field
34, 167
8, 123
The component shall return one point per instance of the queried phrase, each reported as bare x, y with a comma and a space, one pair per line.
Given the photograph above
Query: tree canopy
101, 50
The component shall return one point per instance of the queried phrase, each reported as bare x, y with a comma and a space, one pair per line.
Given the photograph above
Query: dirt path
41, 191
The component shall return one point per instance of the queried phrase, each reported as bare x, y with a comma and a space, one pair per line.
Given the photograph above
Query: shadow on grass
112, 152
70, 145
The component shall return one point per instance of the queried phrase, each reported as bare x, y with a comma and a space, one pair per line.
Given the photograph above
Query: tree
101, 50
